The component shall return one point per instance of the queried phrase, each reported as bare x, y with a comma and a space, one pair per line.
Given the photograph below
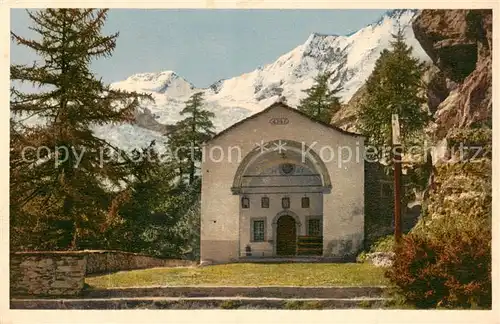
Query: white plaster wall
343, 212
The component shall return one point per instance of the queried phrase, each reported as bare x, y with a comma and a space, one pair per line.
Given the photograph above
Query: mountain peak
159, 82
351, 58
395, 14
149, 76
315, 38
321, 35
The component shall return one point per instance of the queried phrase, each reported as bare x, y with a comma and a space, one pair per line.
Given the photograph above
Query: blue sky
201, 45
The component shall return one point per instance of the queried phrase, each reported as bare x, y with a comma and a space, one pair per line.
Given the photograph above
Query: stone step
256, 292
294, 259
198, 303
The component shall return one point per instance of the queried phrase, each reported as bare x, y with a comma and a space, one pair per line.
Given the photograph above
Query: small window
305, 202
314, 227
264, 202
245, 202
258, 227
285, 202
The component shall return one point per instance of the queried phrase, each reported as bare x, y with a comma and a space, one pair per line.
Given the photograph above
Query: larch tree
61, 174
321, 103
190, 133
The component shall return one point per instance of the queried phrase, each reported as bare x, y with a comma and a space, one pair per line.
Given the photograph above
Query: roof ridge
283, 105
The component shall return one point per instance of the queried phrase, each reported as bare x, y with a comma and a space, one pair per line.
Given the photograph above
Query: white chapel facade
280, 184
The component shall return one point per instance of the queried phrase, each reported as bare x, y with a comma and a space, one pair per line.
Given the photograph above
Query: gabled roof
280, 104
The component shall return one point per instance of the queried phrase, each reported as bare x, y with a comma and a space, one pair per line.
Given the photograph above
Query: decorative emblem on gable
287, 168
278, 121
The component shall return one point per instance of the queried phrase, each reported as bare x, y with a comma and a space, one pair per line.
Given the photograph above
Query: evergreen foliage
62, 192
161, 219
321, 103
394, 87
190, 133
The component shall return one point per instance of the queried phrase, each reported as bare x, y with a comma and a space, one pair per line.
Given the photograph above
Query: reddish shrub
452, 270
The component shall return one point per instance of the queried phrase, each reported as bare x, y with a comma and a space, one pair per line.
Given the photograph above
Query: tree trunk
191, 172
74, 245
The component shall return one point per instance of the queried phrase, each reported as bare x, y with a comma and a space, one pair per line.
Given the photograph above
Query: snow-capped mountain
351, 58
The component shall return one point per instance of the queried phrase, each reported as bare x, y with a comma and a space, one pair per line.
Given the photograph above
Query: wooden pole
396, 149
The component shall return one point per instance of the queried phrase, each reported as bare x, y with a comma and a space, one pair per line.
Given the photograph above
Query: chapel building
280, 184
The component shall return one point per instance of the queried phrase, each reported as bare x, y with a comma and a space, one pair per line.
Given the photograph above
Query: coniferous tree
321, 103
394, 87
160, 218
189, 133
152, 186
61, 174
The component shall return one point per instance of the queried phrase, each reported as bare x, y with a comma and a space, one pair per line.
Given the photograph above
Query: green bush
452, 272
361, 257
384, 244
446, 261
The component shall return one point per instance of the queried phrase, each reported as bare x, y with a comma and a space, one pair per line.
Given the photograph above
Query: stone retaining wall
62, 273
47, 273
102, 261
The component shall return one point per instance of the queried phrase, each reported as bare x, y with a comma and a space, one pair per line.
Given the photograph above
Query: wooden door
286, 236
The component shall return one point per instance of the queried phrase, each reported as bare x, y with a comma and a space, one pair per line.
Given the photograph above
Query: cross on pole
396, 149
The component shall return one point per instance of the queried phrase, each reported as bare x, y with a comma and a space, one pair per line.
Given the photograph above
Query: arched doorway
286, 236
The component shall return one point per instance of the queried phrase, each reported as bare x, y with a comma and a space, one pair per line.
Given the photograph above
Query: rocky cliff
458, 90
459, 42
459, 77
146, 119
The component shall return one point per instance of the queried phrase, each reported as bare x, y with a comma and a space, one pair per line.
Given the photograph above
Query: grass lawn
248, 274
